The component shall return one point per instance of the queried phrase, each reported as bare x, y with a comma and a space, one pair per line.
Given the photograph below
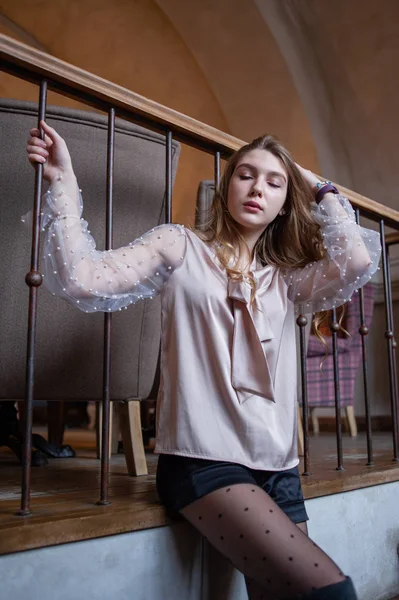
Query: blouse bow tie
250, 370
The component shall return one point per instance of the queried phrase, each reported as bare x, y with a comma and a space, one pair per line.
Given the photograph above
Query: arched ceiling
129, 43
242, 63
215, 61
343, 57
319, 74
224, 47
248, 66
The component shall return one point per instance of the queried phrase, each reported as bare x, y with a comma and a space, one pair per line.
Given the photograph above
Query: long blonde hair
290, 241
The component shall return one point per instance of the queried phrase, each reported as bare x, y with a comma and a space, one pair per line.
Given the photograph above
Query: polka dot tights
247, 527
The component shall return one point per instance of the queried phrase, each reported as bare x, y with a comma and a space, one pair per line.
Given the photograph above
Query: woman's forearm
64, 193
359, 258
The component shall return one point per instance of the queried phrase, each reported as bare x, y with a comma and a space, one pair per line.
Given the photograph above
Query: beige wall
244, 66
215, 61
343, 57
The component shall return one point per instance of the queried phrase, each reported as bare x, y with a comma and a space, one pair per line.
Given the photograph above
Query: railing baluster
302, 321
168, 176
334, 328
394, 345
219, 146
390, 339
33, 279
363, 331
107, 318
217, 169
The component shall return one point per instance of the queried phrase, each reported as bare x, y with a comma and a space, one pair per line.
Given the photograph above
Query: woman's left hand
308, 176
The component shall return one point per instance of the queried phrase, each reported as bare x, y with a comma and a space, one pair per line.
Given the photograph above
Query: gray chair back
205, 194
69, 345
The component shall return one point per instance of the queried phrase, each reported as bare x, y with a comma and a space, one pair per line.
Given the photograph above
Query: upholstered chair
320, 368
69, 348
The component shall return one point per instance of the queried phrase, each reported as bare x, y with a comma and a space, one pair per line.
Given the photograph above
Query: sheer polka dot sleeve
96, 280
352, 257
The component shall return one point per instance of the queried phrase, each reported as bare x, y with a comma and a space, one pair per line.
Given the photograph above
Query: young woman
278, 243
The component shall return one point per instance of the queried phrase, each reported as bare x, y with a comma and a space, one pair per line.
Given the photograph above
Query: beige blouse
228, 367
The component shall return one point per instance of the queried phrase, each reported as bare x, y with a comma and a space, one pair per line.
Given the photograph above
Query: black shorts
181, 480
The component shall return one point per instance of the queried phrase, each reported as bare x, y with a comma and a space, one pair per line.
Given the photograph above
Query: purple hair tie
323, 189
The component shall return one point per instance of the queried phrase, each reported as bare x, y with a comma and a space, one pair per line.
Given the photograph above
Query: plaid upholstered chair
321, 380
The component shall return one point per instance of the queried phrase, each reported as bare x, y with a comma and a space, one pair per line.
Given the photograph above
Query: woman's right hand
52, 152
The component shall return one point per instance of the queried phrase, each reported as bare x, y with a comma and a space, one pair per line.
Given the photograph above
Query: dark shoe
38, 459
51, 450
10, 435
15, 444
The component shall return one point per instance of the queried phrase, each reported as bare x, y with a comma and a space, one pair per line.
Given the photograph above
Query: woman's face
257, 191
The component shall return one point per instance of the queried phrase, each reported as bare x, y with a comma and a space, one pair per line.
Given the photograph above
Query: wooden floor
64, 493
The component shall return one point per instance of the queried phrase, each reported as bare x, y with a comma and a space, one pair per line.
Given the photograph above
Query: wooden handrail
33, 65
99, 92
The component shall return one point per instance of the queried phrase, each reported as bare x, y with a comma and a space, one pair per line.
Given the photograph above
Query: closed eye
245, 177
274, 185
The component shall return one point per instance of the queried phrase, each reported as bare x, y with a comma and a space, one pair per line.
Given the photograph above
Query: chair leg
55, 422
301, 444
92, 413
315, 422
115, 427
350, 415
130, 424
98, 422
21, 410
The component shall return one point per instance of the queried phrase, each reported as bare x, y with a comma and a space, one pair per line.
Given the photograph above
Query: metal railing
50, 73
